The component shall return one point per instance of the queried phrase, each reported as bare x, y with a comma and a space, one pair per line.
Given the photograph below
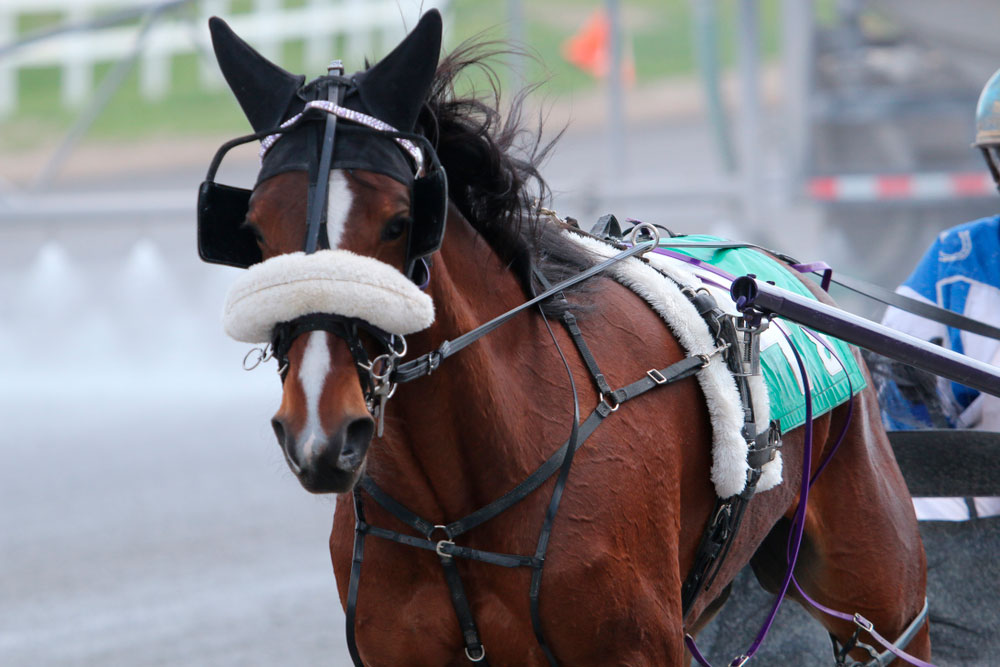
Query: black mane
492, 160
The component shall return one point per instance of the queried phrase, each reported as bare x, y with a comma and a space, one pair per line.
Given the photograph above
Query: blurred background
147, 515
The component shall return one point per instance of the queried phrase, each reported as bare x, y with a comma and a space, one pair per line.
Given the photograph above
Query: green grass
661, 41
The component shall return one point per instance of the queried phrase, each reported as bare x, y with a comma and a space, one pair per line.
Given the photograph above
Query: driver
960, 272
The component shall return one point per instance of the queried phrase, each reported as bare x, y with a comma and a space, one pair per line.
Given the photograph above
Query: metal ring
650, 229
482, 654
390, 363
402, 339
605, 399
256, 362
442, 528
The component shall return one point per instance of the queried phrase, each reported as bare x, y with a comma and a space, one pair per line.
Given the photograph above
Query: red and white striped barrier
930, 186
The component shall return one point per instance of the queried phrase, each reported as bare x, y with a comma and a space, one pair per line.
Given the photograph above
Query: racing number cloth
833, 372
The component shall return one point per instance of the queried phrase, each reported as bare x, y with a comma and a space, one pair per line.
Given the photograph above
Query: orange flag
590, 49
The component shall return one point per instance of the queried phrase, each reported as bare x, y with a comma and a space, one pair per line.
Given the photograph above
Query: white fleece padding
339, 282
729, 449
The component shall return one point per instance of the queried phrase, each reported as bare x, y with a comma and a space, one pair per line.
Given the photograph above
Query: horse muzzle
327, 463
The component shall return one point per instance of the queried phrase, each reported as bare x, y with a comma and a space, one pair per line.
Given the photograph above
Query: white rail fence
357, 25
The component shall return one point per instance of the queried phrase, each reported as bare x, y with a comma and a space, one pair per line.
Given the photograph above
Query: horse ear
263, 89
394, 89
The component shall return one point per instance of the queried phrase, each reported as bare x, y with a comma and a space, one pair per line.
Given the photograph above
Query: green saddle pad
831, 368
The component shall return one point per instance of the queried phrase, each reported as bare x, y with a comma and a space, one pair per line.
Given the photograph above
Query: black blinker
430, 211
222, 238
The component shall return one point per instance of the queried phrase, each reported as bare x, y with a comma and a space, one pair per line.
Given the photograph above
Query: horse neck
466, 434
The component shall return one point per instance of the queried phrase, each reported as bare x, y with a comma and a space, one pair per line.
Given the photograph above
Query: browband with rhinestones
347, 114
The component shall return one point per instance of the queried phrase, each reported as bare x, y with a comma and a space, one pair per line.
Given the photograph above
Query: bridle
222, 209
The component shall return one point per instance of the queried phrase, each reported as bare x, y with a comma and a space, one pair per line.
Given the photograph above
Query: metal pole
706, 34
797, 36
616, 91
749, 110
859, 331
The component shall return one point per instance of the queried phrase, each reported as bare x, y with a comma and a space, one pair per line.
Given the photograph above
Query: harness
223, 239
441, 538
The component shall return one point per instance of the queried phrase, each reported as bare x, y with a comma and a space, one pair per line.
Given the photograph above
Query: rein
429, 362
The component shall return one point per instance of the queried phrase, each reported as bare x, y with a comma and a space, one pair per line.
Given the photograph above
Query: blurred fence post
265, 41
208, 71
94, 32
749, 108
77, 67
154, 69
797, 37
317, 49
8, 75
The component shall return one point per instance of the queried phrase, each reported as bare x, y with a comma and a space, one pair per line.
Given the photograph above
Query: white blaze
338, 206
312, 375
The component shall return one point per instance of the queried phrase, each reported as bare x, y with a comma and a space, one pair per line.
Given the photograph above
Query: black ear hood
264, 90
393, 90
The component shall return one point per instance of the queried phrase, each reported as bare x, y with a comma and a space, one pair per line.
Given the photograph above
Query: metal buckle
607, 400
482, 654
656, 376
441, 543
863, 623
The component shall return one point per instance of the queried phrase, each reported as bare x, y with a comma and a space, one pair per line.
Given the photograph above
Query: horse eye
253, 230
395, 228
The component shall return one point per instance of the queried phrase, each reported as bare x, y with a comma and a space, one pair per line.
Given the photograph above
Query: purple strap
868, 627
798, 522
817, 266
695, 261
798, 527
795, 537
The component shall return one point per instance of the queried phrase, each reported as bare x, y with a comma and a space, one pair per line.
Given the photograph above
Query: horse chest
593, 596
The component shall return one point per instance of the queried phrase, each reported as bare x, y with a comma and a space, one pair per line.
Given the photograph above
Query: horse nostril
357, 436
279, 431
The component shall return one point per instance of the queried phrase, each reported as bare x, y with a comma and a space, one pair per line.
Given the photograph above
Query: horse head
349, 202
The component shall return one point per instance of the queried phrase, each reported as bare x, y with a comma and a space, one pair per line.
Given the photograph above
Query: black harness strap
428, 363
717, 539
319, 172
569, 320
360, 529
561, 460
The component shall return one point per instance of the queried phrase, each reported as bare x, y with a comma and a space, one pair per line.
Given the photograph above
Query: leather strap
677, 371
319, 175
474, 650
429, 362
355, 580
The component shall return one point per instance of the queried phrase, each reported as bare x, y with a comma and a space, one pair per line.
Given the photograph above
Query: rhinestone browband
347, 114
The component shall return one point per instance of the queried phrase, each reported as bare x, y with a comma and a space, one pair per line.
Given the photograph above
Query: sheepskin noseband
339, 282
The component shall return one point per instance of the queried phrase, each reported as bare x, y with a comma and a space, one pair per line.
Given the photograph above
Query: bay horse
636, 504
